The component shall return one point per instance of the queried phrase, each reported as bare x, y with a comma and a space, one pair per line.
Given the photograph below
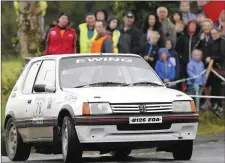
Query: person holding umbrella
215, 10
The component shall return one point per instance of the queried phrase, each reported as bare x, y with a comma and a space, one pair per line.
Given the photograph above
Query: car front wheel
183, 150
16, 149
71, 147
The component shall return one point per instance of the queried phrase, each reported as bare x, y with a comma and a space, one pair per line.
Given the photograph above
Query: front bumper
116, 128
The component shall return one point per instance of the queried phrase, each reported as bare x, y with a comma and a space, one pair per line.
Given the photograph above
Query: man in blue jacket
164, 68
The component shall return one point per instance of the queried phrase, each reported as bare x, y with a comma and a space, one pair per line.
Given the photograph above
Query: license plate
140, 120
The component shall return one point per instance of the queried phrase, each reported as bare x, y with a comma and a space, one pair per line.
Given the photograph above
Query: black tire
74, 150
21, 149
121, 153
183, 150
3, 147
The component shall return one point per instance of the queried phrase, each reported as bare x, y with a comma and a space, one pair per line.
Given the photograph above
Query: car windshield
90, 71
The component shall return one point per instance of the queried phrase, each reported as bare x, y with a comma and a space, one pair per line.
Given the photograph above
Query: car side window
46, 74
28, 84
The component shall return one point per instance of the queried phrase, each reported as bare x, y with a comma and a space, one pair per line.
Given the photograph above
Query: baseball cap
90, 13
63, 14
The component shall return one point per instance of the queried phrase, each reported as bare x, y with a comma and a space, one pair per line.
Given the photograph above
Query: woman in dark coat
178, 23
152, 24
186, 44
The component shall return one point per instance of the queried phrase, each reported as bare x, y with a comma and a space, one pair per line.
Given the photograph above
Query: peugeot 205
112, 103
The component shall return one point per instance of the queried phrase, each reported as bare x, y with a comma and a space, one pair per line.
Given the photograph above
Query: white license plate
139, 120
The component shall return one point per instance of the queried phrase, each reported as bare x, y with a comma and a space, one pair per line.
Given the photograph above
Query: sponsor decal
53, 33
70, 35
104, 59
49, 105
70, 98
15, 88
38, 113
97, 96
13, 95
179, 95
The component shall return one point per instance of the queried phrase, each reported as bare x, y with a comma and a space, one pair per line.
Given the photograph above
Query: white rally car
112, 103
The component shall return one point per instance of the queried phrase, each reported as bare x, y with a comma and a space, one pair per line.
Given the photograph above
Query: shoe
215, 107
219, 112
209, 104
206, 106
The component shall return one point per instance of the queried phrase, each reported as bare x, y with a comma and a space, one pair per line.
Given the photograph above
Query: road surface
207, 149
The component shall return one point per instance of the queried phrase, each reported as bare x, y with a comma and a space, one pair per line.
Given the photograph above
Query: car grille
135, 108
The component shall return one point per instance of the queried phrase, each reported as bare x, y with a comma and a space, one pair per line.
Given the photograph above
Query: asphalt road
207, 149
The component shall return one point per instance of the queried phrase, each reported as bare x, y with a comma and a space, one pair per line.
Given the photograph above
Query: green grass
11, 67
208, 122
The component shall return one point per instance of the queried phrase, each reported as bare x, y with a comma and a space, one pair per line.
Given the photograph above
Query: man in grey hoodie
167, 26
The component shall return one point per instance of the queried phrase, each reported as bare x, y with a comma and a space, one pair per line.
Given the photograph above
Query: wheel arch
7, 117
66, 110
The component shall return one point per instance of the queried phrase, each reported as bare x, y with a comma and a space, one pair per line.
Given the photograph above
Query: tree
29, 28
143, 8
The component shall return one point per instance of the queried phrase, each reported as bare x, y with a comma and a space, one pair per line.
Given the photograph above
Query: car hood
128, 94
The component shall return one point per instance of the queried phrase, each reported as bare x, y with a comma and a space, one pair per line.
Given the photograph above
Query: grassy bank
11, 67
210, 124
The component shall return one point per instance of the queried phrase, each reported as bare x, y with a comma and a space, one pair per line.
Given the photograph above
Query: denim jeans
195, 90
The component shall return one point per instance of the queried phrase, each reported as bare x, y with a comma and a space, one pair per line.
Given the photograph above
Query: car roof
85, 55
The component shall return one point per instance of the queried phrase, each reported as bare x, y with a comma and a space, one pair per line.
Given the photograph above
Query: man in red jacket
61, 39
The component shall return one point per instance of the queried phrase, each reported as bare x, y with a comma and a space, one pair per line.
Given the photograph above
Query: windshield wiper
103, 84
146, 83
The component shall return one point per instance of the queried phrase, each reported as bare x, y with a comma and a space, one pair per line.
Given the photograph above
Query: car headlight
184, 106
96, 108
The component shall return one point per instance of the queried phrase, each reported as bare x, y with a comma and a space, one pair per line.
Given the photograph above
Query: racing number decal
39, 109
38, 113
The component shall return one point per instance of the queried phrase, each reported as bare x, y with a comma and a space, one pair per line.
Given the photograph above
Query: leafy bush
11, 69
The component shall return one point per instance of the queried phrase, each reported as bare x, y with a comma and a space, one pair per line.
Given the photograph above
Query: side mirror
44, 88
39, 88
50, 89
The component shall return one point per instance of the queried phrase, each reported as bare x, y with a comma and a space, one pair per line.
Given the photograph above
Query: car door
24, 99
41, 103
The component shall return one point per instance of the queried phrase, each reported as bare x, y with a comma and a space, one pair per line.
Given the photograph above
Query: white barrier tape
218, 75
181, 80
215, 97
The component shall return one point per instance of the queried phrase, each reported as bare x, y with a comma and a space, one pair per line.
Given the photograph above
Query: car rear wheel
16, 149
121, 153
71, 147
3, 147
183, 150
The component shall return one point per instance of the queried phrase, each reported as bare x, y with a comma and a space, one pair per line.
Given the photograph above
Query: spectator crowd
176, 47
